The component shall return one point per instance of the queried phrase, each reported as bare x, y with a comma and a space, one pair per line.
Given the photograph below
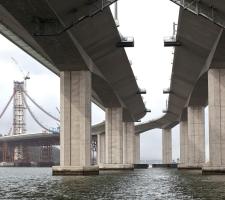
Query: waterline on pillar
74, 170
189, 167
213, 170
116, 166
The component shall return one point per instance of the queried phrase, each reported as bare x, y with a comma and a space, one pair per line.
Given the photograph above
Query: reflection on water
169, 184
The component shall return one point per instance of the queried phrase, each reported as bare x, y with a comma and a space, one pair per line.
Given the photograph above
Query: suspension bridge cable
42, 109
7, 105
33, 116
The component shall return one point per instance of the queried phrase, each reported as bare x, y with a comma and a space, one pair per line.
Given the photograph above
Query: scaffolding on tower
18, 153
19, 126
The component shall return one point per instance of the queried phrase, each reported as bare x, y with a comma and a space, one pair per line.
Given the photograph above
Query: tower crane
25, 77
20, 105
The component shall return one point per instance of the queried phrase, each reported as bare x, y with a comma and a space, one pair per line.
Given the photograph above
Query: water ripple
150, 184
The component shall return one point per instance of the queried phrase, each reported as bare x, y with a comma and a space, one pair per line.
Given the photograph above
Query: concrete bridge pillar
216, 105
136, 148
7, 152
128, 142
166, 146
75, 119
196, 137
114, 136
183, 144
114, 140
101, 148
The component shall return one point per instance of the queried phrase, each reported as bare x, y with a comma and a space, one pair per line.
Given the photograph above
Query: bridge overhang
86, 46
198, 37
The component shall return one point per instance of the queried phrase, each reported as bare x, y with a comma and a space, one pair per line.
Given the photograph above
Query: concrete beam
80, 48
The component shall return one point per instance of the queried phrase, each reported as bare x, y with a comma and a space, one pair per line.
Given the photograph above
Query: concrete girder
68, 51
179, 99
32, 139
48, 138
199, 40
23, 39
199, 95
13, 31
110, 64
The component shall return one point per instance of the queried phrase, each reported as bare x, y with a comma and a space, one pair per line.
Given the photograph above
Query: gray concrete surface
75, 117
166, 146
196, 136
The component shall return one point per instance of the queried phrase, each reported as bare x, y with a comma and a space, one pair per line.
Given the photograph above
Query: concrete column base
189, 167
141, 166
182, 166
74, 170
116, 166
172, 165
215, 170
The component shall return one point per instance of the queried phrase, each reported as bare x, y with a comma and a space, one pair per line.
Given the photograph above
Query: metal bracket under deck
198, 7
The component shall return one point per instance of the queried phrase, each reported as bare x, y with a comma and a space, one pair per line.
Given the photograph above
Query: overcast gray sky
148, 22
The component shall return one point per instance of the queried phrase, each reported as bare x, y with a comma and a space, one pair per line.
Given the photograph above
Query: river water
150, 184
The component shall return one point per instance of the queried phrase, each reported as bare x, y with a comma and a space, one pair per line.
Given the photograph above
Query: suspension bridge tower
18, 153
19, 125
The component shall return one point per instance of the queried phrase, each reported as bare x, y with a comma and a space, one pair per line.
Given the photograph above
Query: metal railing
198, 7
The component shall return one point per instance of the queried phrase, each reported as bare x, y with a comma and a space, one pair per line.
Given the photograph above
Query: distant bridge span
37, 139
42, 139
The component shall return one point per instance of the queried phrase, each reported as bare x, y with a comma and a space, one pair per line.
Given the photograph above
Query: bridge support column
114, 141
21, 155
166, 146
183, 145
136, 148
101, 148
196, 137
46, 156
128, 143
7, 153
216, 105
75, 117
